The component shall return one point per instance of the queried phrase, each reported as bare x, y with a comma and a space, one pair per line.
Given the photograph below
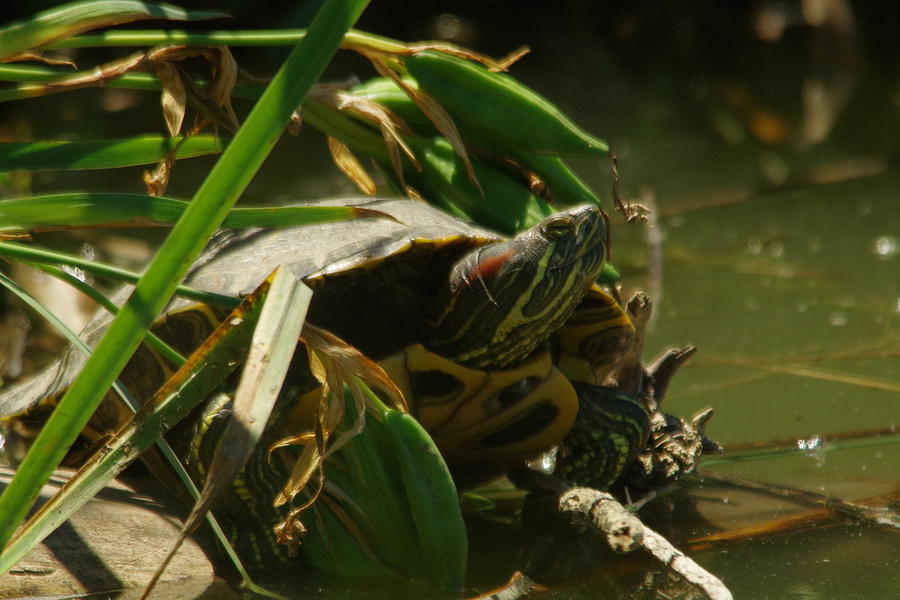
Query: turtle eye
559, 228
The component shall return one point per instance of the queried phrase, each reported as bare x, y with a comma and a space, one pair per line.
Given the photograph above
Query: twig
815, 517
519, 586
861, 512
623, 530
792, 443
673, 558
630, 210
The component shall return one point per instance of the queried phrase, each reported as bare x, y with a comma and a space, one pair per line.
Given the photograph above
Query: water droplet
809, 444
813, 448
754, 245
887, 246
545, 463
88, 252
776, 248
75, 272
837, 319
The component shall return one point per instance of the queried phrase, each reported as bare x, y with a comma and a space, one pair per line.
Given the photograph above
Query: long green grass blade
215, 197
194, 381
49, 257
239, 37
271, 351
103, 154
89, 209
76, 17
165, 350
34, 77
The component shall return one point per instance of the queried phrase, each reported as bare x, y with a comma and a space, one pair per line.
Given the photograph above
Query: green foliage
208, 209
409, 512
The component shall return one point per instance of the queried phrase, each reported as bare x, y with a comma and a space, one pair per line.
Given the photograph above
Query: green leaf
205, 370
103, 154
268, 360
218, 193
48, 257
73, 18
86, 209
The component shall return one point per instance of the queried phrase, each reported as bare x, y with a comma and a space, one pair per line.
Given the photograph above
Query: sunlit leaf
349, 165
174, 98
103, 154
85, 209
75, 17
203, 371
435, 113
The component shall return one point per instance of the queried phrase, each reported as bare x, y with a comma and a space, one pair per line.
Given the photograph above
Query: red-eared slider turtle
470, 325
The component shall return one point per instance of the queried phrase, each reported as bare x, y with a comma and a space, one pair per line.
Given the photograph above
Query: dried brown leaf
350, 166
225, 72
215, 103
335, 364
446, 47
14, 235
435, 113
173, 97
47, 60
96, 76
507, 61
158, 180
290, 532
309, 461
390, 124
343, 361
413, 194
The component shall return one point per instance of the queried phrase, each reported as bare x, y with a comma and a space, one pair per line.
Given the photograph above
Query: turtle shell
375, 279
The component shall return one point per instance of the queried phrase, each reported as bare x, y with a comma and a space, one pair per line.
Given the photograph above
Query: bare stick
868, 514
673, 558
624, 531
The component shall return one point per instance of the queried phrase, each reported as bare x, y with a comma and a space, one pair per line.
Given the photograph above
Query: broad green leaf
73, 18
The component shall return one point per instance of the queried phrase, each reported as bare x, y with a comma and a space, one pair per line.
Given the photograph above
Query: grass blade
216, 196
48, 257
271, 350
204, 370
89, 209
73, 18
103, 154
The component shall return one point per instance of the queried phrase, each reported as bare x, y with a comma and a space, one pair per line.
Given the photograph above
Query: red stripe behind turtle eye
487, 268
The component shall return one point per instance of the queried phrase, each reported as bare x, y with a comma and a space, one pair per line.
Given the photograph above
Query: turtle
486, 336
472, 327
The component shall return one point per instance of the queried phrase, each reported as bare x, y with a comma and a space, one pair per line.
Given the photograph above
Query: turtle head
504, 299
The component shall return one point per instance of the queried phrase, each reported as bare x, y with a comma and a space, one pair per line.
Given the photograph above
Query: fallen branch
873, 515
623, 530
685, 566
